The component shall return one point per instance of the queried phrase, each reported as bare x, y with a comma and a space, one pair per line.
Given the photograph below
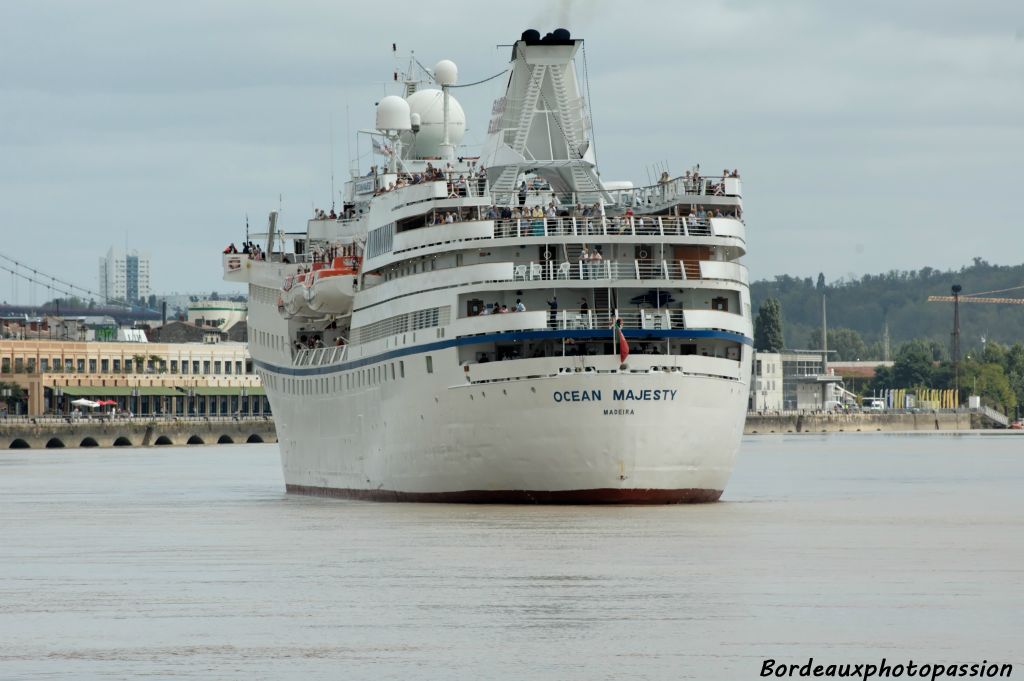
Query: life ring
642, 255
547, 255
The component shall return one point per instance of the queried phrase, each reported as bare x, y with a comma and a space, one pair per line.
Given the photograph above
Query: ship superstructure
505, 327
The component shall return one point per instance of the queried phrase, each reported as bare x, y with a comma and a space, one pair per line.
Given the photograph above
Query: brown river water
191, 563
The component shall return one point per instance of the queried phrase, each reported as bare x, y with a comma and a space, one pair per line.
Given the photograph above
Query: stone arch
55, 443
195, 440
122, 441
18, 443
88, 442
254, 438
163, 440
225, 440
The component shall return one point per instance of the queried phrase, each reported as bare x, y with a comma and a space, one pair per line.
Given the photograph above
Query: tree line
994, 371
861, 309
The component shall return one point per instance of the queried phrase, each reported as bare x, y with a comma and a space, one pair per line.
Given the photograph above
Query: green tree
768, 327
913, 366
847, 344
990, 382
17, 394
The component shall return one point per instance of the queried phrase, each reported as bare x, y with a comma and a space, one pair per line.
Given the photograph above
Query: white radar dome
393, 114
446, 72
429, 105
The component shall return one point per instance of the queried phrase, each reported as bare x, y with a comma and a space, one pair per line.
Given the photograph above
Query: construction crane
956, 299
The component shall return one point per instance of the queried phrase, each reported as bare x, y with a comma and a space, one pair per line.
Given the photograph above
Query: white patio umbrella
82, 402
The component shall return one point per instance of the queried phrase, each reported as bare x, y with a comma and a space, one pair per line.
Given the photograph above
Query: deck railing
656, 225
631, 318
320, 356
679, 270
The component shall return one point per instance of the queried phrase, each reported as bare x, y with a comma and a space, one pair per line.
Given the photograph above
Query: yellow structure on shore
185, 379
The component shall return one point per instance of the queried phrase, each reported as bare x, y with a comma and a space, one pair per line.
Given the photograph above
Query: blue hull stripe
577, 334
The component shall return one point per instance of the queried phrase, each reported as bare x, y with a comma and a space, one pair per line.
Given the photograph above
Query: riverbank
823, 422
58, 433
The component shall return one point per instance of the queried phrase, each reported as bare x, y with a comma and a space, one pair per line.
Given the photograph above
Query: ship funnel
542, 125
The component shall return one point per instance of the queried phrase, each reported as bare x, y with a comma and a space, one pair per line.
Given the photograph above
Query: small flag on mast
621, 338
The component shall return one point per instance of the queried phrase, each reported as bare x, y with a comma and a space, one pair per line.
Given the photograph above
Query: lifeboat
293, 297
331, 289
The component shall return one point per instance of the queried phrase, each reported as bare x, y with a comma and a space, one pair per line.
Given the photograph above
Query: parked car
873, 404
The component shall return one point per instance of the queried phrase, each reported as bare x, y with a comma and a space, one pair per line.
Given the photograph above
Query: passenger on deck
519, 305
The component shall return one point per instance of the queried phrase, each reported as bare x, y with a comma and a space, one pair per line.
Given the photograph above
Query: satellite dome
446, 72
393, 114
429, 105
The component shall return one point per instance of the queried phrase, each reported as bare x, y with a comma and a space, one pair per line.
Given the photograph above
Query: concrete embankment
55, 433
861, 423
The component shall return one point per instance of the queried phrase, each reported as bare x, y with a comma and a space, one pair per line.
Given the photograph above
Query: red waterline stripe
606, 495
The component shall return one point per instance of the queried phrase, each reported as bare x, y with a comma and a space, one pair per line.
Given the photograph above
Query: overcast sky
870, 136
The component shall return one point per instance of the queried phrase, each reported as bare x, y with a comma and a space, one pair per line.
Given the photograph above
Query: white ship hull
670, 437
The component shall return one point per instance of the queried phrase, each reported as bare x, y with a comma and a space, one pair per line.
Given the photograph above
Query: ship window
430, 364
392, 371
401, 368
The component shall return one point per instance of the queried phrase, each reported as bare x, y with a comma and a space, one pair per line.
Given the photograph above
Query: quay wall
812, 422
56, 433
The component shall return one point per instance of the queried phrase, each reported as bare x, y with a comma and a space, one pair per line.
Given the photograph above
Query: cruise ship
504, 326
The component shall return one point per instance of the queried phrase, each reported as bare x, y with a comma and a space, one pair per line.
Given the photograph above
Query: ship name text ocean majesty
650, 395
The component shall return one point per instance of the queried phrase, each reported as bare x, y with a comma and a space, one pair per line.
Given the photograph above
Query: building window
5, 365
227, 368
195, 366
216, 368
238, 367
104, 365
206, 366
117, 366
92, 366
44, 365
174, 366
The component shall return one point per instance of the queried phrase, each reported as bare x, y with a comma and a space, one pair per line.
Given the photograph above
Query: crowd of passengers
249, 248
